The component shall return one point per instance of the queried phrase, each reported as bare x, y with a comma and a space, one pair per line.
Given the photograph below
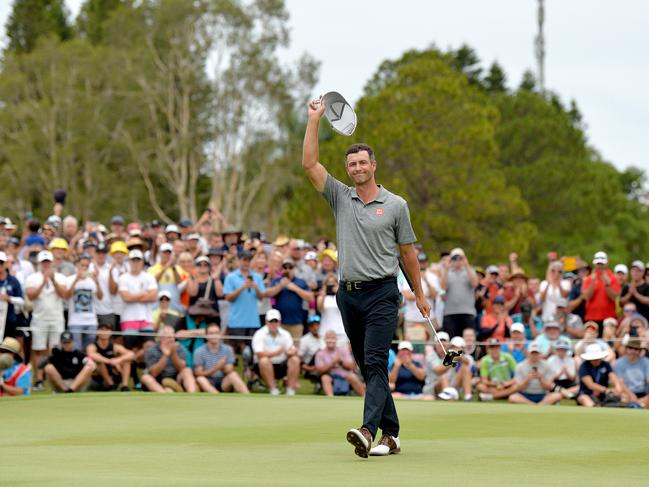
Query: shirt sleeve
152, 283
484, 369
512, 363
228, 285
199, 357
331, 191
182, 353
257, 342
404, 232
260, 282
583, 370
229, 355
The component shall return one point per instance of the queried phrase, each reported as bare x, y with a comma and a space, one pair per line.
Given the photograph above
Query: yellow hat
11, 345
281, 240
332, 254
59, 243
118, 246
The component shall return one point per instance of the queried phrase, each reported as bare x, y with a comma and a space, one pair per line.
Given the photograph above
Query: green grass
124, 439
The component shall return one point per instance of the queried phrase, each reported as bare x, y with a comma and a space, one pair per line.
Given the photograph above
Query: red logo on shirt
379, 211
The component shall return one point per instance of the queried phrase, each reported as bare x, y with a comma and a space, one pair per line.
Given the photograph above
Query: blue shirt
244, 312
25, 381
538, 322
406, 382
519, 355
289, 303
599, 375
635, 376
12, 288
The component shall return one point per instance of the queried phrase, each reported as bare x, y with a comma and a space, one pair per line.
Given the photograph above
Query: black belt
358, 285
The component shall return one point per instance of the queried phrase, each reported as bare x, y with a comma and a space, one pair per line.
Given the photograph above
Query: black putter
450, 356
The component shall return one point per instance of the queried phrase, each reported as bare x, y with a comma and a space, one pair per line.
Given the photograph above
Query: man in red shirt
600, 290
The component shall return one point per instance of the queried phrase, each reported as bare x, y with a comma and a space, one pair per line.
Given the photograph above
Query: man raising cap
373, 229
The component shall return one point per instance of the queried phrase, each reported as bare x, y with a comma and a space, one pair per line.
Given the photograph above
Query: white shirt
137, 284
103, 306
263, 341
411, 312
81, 309
117, 302
309, 346
48, 306
549, 307
22, 269
556, 364
330, 318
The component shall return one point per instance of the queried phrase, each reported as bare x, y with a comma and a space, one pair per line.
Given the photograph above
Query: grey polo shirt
368, 234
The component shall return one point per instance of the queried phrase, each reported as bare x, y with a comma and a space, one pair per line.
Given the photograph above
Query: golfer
372, 227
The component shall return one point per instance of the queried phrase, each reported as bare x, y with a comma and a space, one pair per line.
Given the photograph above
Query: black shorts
280, 370
217, 382
242, 332
109, 319
138, 339
565, 383
454, 325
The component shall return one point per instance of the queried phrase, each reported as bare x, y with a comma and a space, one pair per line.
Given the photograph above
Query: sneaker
274, 391
38, 386
484, 396
169, 383
388, 445
124, 389
290, 392
468, 397
361, 439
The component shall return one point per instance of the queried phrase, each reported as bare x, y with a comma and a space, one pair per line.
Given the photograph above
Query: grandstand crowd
184, 308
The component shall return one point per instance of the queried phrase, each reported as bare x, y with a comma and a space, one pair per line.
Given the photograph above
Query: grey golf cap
340, 114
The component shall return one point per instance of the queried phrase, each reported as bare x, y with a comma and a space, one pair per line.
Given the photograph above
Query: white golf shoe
388, 445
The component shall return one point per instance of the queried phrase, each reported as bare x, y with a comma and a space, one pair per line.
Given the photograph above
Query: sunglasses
629, 310
288, 266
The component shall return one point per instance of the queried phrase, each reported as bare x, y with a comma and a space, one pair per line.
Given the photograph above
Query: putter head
450, 359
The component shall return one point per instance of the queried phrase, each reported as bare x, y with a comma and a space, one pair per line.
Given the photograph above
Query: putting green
142, 439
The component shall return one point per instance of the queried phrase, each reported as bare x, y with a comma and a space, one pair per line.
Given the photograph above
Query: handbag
204, 306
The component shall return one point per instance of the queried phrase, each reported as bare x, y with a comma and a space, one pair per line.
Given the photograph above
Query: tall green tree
93, 15
31, 20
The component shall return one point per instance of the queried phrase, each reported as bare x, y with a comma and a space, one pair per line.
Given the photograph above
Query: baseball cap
135, 254
492, 269
610, 321
164, 293
311, 255
534, 347
117, 220
519, 327
44, 255
35, 239
551, 324
118, 246
562, 344
273, 314
185, 223
166, 247
422, 257
499, 300
59, 243
288, 260
639, 264
443, 336
3, 256
66, 336
332, 254
600, 258
101, 247
193, 236
172, 229
458, 342
215, 251
621, 268
493, 342
405, 345
591, 324
457, 251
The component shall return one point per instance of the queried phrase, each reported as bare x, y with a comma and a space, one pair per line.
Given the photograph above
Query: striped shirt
207, 359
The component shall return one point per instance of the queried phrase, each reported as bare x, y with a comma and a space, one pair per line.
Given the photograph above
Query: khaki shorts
296, 331
46, 335
415, 331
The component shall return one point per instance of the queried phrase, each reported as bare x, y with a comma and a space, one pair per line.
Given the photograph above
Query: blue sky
596, 51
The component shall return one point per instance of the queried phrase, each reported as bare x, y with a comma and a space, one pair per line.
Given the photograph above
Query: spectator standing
203, 287
534, 380
60, 252
458, 280
119, 267
83, 291
552, 289
496, 324
518, 293
637, 290
328, 263
275, 356
68, 369
103, 306
214, 365
415, 327
302, 269
168, 274
11, 301
327, 306
112, 360
46, 289
16, 379
336, 368
532, 322
290, 292
600, 290
243, 289
166, 364
570, 323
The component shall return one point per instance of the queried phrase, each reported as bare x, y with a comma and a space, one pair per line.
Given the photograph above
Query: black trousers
370, 318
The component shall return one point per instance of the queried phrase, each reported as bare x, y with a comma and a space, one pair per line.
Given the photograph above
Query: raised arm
315, 171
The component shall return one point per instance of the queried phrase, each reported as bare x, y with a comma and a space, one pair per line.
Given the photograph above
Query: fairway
186, 440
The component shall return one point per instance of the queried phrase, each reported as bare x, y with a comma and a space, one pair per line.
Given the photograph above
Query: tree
34, 19
495, 80
93, 15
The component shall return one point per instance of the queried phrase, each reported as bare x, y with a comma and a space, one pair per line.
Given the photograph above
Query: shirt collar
380, 198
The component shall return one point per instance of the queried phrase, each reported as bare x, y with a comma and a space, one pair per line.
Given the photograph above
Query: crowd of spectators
185, 308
